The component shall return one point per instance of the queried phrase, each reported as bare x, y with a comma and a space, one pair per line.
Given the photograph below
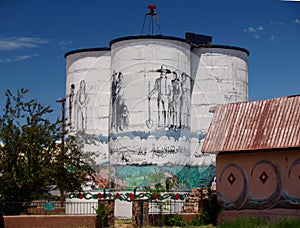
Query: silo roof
186, 40
86, 50
161, 37
255, 125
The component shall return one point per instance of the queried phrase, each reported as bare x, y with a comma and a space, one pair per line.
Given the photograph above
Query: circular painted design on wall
266, 185
233, 186
294, 179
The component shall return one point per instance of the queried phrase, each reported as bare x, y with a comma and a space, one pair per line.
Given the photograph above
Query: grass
241, 222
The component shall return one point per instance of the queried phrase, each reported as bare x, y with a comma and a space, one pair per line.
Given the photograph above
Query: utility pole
63, 102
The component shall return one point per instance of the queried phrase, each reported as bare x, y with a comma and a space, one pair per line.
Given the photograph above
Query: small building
258, 157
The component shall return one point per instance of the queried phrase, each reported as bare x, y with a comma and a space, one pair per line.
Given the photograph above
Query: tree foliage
70, 169
30, 155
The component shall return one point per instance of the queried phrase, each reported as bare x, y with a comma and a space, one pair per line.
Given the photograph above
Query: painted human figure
114, 85
124, 117
177, 92
117, 91
119, 102
163, 87
81, 106
185, 100
71, 100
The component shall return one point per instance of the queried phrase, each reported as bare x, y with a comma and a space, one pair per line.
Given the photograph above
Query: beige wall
53, 221
259, 180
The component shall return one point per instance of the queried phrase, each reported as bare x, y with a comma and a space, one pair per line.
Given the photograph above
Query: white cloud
249, 29
272, 38
256, 36
276, 22
18, 58
64, 43
297, 21
252, 29
14, 43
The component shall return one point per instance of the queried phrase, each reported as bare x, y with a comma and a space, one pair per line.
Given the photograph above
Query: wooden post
140, 213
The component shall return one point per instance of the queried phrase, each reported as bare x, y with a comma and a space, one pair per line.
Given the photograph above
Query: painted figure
124, 117
114, 85
185, 100
117, 88
175, 107
71, 100
163, 87
81, 106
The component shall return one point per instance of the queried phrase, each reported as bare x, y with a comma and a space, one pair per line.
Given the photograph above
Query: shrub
202, 219
174, 220
102, 213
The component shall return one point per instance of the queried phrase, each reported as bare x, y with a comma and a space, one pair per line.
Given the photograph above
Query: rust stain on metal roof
253, 125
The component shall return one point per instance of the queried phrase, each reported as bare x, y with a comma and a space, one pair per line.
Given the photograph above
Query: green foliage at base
244, 222
202, 219
289, 222
174, 220
250, 222
102, 215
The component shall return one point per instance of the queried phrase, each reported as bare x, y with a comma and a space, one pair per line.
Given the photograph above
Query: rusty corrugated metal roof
253, 125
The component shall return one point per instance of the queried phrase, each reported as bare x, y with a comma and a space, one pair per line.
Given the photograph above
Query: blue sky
35, 35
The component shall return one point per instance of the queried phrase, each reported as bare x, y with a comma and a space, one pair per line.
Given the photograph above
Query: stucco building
258, 157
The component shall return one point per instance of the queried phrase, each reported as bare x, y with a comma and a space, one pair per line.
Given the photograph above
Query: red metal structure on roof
263, 124
151, 16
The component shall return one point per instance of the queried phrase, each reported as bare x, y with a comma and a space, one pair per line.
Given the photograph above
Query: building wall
46, 221
260, 180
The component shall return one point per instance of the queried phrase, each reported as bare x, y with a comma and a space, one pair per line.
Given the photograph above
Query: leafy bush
202, 219
174, 220
102, 213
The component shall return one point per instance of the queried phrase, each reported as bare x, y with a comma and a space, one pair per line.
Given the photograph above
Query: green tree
28, 144
30, 155
70, 169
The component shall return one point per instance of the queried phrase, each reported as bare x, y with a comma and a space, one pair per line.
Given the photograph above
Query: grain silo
143, 105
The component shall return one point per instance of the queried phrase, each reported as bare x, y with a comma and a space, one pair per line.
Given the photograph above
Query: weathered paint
88, 95
216, 74
221, 77
262, 124
144, 76
259, 180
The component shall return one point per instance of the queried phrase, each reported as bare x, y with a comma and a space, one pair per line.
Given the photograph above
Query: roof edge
221, 46
86, 50
254, 150
136, 37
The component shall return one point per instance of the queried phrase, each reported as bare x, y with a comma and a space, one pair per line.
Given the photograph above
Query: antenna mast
151, 16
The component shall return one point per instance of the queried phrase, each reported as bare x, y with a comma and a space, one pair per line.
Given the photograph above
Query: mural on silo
120, 113
87, 106
144, 105
80, 106
162, 132
154, 145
